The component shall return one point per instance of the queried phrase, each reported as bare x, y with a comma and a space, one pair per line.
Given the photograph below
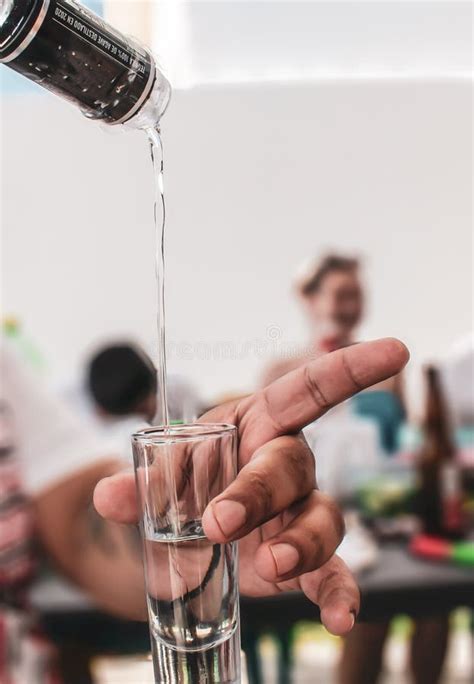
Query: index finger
300, 397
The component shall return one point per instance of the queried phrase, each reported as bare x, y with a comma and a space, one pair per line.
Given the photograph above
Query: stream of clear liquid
156, 149
162, 417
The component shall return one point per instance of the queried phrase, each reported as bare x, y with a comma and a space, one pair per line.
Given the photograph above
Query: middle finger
279, 474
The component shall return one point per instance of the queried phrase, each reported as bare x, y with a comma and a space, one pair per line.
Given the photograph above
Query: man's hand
288, 530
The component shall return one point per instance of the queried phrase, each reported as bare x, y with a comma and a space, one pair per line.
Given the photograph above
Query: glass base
218, 665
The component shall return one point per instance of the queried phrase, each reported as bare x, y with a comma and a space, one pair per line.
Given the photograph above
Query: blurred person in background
332, 294
50, 465
120, 395
121, 380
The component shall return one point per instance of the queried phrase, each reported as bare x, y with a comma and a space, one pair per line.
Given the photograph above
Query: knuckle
314, 390
299, 467
269, 411
338, 579
358, 386
261, 492
331, 581
335, 514
338, 521
297, 462
313, 553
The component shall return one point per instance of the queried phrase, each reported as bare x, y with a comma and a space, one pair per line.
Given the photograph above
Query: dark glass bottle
72, 52
439, 496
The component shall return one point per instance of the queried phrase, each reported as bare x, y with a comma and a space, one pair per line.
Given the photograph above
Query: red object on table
431, 547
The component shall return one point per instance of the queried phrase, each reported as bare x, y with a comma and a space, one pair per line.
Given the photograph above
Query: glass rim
186, 432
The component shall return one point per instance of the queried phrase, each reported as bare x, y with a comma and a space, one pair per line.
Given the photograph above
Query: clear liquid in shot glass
192, 588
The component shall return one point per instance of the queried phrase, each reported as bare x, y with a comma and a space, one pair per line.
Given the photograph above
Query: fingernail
230, 516
352, 620
286, 557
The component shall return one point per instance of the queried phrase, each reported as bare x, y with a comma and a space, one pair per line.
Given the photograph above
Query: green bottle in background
27, 350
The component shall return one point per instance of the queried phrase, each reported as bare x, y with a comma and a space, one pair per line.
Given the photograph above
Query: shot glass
191, 583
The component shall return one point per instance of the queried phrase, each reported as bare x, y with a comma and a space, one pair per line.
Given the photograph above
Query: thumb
115, 498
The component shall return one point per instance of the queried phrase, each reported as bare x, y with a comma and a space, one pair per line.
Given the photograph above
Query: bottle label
69, 50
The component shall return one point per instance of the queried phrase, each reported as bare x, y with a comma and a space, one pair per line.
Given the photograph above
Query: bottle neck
437, 448
439, 442
155, 105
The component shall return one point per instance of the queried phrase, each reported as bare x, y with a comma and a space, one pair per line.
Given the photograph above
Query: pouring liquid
156, 149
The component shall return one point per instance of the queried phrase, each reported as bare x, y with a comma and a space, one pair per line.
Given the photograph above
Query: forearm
103, 558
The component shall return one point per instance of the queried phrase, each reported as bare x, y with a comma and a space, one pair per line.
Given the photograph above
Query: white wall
251, 40
257, 178
201, 42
